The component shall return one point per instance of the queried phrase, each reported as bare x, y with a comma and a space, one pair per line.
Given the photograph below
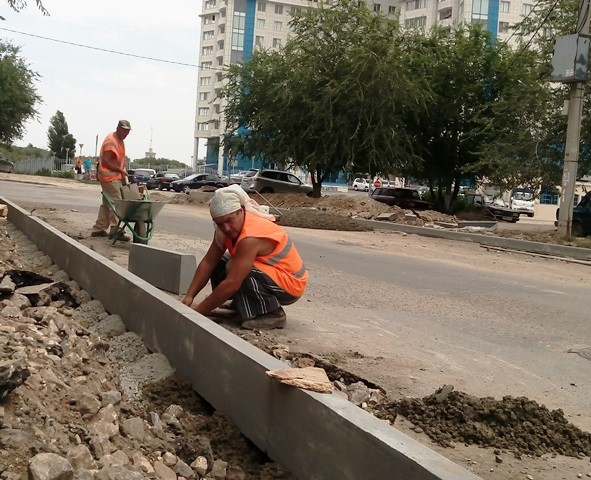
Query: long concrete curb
576, 253
314, 436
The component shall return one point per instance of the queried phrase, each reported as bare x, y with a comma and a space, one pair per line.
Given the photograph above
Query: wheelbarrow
141, 213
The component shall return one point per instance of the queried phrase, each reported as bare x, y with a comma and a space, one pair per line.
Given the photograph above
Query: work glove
125, 180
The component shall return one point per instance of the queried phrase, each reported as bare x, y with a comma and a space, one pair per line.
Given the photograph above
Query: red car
407, 198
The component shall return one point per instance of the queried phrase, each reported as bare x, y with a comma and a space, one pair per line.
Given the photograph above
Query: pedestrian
112, 175
87, 168
78, 168
251, 260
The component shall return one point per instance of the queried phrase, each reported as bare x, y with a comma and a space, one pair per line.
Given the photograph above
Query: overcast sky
94, 88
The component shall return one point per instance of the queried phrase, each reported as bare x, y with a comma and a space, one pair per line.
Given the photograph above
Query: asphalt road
500, 332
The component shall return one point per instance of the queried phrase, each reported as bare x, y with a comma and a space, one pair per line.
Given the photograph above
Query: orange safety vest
111, 144
283, 264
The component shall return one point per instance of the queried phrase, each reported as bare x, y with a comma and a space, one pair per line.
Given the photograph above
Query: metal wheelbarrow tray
139, 212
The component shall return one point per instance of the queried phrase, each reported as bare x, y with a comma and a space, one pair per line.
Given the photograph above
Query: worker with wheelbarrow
112, 175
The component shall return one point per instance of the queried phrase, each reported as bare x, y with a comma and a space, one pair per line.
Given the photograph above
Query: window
203, 126
203, 96
277, 26
207, 50
549, 197
205, 65
377, 7
222, 29
391, 9
479, 10
292, 10
278, 9
208, 35
503, 27
209, 20
260, 23
203, 111
276, 43
415, 4
417, 22
259, 40
527, 8
205, 81
209, 4
261, 6
445, 13
505, 6
238, 31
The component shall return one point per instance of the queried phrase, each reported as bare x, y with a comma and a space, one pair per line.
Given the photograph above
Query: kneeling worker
261, 270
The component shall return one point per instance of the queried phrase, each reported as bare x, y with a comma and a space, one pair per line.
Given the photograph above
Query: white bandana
231, 199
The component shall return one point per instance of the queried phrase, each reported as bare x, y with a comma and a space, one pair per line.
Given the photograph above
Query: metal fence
35, 165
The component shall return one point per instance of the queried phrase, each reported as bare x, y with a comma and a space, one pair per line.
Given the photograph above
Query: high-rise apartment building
231, 29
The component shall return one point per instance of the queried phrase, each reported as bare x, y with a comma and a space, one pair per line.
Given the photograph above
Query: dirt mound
330, 212
519, 425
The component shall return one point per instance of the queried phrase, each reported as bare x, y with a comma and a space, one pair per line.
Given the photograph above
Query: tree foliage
484, 117
60, 140
549, 19
16, 154
333, 99
18, 95
157, 163
18, 5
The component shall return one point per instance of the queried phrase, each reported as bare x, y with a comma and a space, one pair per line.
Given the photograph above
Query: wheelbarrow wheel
141, 230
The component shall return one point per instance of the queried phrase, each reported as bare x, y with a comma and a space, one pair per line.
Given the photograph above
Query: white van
522, 200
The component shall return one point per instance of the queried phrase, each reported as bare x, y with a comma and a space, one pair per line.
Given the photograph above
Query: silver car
275, 181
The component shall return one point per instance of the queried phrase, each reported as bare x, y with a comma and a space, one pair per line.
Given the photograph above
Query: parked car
197, 180
361, 184
274, 181
581, 221
161, 181
5, 165
237, 177
492, 209
408, 198
140, 175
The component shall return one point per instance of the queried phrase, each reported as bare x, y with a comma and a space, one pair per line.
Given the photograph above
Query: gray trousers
257, 295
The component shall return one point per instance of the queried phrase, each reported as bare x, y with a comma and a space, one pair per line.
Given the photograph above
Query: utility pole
573, 134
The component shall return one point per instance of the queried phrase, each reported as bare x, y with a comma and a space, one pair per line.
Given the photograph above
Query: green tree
60, 140
333, 99
549, 19
480, 90
18, 95
18, 5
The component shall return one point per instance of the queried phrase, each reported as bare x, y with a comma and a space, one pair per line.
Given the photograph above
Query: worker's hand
188, 300
125, 179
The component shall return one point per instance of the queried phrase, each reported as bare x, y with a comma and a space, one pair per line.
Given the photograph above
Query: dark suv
408, 198
581, 225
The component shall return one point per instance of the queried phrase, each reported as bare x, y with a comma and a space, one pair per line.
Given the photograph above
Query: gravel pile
81, 398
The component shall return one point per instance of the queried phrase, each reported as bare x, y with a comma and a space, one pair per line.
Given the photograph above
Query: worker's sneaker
98, 233
267, 321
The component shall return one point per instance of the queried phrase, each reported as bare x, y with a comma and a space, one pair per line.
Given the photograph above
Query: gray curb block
576, 253
314, 436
